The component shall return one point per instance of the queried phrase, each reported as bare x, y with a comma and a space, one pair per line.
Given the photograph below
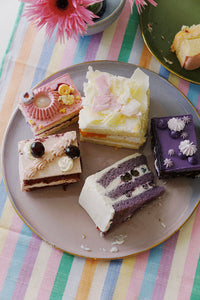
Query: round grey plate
54, 213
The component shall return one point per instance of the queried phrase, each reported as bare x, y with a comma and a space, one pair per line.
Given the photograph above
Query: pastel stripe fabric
31, 268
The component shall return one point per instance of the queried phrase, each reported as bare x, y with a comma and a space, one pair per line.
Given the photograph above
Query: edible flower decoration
69, 17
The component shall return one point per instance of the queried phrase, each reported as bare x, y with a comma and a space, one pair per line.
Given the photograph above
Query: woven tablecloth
32, 269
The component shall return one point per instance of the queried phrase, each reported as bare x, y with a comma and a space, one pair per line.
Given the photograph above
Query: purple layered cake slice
112, 195
175, 146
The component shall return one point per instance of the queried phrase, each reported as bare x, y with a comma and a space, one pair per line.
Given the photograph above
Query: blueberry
129, 194
72, 151
181, 155
192, 160
143, 170
37, 149
145, 186
135, 173
162, 124
175, 134
126, 177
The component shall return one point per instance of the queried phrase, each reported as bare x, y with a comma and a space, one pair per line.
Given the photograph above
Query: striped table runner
32, 269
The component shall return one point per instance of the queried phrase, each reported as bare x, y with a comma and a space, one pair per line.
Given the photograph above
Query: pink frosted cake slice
48, 161
51, 107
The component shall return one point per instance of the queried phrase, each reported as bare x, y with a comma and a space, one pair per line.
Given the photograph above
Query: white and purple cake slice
112, 195
175, 146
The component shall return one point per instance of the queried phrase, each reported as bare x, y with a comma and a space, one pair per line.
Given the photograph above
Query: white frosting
131, 108
171, 152
184, 135
128, 102
65, 163
187, 148
168, 163
27, 150
176, 124
186, 119
94, 200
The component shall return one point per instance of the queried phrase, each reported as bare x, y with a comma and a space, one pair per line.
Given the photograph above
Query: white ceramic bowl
112, 12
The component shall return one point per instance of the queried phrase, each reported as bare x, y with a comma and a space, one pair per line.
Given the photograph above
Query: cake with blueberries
175, 146
111, 196
52, 107
49, 161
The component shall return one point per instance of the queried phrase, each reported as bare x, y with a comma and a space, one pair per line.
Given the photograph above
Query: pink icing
105, 100
46, 112
68, 109
103, 84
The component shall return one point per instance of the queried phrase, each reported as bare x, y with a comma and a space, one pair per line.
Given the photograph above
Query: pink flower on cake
71, 17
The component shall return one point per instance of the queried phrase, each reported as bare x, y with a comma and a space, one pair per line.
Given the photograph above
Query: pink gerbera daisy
71, 17
141, 3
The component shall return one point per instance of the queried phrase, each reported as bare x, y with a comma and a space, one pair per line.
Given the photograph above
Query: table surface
8, 14
29, 267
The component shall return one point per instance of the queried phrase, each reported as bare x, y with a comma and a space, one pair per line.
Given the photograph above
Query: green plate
159, 26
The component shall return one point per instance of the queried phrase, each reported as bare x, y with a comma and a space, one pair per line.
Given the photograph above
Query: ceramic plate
54, 213
112, 11
159, 26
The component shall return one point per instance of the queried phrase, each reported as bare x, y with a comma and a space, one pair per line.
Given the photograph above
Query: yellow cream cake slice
186, 45
115, 109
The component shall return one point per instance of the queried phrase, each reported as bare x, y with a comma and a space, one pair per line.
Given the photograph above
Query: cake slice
115, 109
51, 107
186, 45
175, 146
49, 161
112, 195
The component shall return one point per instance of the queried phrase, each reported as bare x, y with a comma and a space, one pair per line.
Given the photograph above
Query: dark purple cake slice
112, 195
175, 146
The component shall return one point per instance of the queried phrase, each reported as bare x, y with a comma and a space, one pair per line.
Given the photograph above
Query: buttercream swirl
171, 152
176, 124
168, 163
56, 151
65, 163
186, 119
187, 148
